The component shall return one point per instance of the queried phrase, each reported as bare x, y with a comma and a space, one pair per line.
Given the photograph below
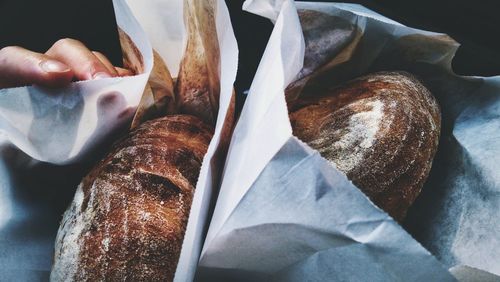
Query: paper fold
246, 155
280, 215
79, 116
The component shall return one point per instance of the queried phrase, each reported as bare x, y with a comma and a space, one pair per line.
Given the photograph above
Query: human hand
65, 61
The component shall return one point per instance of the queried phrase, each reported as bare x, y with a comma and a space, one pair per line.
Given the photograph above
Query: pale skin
67, 60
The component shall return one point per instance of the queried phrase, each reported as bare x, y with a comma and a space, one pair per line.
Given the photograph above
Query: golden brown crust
129, 222
382, 130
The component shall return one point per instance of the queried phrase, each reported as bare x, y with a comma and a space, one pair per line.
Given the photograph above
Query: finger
80, 59
123, 72
19, 67
115, 70
109, 66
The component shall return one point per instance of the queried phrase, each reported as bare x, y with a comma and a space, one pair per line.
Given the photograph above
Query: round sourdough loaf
381, 130
129, 214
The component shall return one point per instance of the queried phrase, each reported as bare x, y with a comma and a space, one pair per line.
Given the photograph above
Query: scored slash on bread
130, 212
381, 130
129, 215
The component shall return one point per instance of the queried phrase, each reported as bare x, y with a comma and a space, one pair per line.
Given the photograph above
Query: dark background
475, 24
37, 24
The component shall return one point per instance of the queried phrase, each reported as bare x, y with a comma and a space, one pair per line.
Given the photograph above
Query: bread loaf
129, 214
381, 130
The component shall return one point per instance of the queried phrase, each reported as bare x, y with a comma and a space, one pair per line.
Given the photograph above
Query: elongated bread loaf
129, 214
381, 130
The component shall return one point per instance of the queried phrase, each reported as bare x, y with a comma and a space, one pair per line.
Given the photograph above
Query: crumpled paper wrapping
64, 126
60, 126
469, 274
284, 214
297, 223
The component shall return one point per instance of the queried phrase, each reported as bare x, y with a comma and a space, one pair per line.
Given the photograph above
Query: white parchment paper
284, 214
205, 187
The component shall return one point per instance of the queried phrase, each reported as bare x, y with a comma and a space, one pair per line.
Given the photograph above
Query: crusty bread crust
128, 217
382, 130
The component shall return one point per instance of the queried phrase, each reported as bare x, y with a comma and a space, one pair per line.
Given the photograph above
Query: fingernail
100, 75
53, 66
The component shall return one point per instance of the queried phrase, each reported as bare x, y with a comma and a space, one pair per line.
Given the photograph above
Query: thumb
19, 67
